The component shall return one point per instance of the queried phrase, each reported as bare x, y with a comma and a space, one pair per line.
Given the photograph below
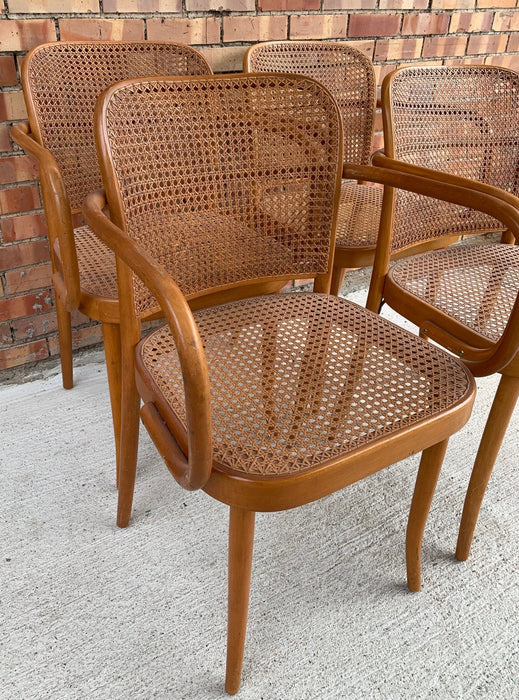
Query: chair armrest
194, 471
486, 198
57, 214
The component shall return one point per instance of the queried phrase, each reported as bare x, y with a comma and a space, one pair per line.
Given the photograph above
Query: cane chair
450, 123
265, 401
348, 74
61, 82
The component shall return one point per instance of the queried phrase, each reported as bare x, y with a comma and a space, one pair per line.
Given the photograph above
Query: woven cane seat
475, 285
96, 264
359, 215
364, 379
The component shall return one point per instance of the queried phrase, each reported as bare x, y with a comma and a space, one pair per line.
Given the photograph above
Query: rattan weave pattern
345, 71
359, 215
66, 79
96, 263
476, 285
212, 205
393, 384
463, 120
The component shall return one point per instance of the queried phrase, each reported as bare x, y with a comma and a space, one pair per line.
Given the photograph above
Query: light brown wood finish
266, 401
61, 82
348, 74
456, 125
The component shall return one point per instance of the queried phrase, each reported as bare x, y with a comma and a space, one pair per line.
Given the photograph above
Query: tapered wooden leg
495, 429
337, 280
65, 343
112, 343
241, 540
428, 472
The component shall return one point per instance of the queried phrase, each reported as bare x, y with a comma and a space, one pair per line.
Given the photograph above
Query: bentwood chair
447, 123
266, 401
348, 74
61, 82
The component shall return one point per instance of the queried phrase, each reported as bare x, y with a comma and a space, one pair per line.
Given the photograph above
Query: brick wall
391, 32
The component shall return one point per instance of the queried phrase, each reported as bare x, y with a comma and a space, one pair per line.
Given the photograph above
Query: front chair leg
495, 429
65, 343
241, 540
426, 480
337, 280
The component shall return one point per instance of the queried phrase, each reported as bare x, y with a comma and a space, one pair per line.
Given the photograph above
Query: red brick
426, 23
494, 4
505, 21
467, 22
142, 6
75, 29
397, 49
444, 46
318, 26
18, 281
453, 4
18, 199
5, 140
23, 254
259, 28
12, 106
17, 169
489, 43
27, 305
23, 354
34, 326
17, 228
513, 42
6, 336
81, 338
42, 7
288, 5
373, 25
221, 6
202, 30
23, 34
8, 75
506, 61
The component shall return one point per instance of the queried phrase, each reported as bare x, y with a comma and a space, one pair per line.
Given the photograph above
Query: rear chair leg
65, 343
241, 541
495, 429
426, 480
112, 345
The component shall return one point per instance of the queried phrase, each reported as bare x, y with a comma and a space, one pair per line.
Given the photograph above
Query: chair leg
337, 280
65, 343
426, 480
241, 540
112, 345
495, 429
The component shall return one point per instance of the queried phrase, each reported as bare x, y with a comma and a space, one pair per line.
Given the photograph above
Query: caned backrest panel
224, 180
344, 70
463, 120
62, 82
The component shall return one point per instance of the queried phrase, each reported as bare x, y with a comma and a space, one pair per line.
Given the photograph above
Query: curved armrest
486, 198
57, 213
194, 471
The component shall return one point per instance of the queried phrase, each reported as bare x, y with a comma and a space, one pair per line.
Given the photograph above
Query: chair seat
285, 399
97, 273
476, 285
359, 215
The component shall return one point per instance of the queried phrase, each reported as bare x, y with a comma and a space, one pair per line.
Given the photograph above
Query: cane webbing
476, 285
234, 182
298, 379
463, 120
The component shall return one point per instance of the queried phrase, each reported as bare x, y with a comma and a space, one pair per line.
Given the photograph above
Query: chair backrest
62, 81
463, 120
225, 180
344, 70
